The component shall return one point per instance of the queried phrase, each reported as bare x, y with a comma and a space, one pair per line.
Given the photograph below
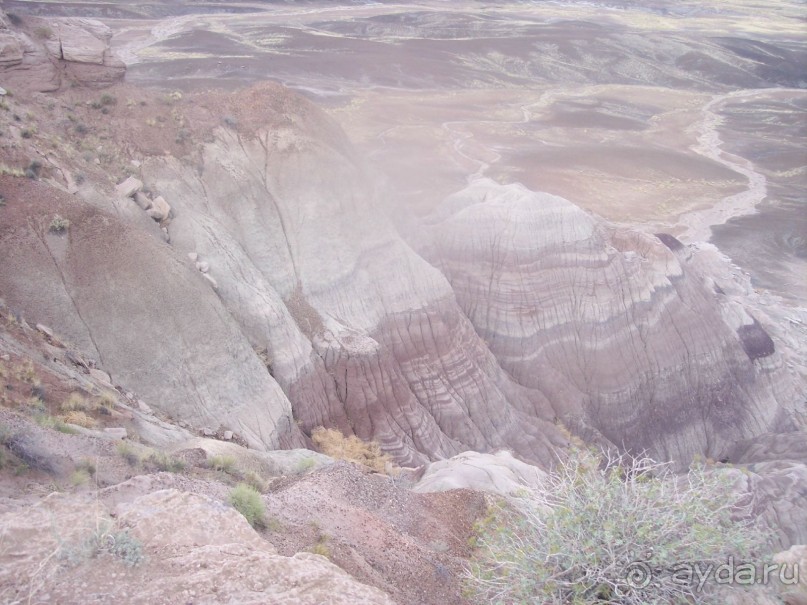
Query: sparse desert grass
164, 462
247, 501
50, 422
77, 402
87, 466
334, 444
25, 372
256, 481
127, 452
321, 547
80, 477
58, 224
598, 523
104, 539
106, 400
10, 171
305, 465
79, 418
43, 32
222, 463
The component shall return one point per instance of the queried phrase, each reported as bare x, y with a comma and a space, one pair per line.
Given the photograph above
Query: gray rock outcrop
43, 54
126, 300
193, 548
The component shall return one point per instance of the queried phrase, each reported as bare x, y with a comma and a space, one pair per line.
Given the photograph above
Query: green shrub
127, 452
59, 224
223, 463
164, 462
255, 480
43, 32
104, 540
247, 501
50, 422
79, 477
610, 532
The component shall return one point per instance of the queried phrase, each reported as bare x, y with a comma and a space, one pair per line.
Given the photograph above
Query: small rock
144, 407
3, 92
129, 395
212, 281
208, 432
45, 330
118, 433
159, 209
142, 200
228, 435
129, 187
203, 266
97, 162
5, 357
101, 376
136, 163
193, 256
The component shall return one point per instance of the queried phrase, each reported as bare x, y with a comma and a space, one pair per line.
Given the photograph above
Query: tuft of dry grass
76, 402
333, 443
79, 418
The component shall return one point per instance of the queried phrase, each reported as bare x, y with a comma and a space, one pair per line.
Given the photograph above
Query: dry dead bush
79, 419
333, 443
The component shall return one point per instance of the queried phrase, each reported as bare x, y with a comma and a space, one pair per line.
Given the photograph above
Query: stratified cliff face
360, 331
538, 311
614, 327
255, 285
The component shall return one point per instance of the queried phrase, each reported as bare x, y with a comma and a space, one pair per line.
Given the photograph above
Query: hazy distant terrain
639, 112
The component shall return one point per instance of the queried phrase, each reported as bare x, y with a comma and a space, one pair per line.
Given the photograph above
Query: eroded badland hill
195, 282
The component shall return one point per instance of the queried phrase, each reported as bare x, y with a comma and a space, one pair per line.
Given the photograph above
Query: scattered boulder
203, 266
142, 200
44, 330
101, 376
117, 433
129, 187
212, 281
10, 50
160, 209
498, 473
80, 41
65, 50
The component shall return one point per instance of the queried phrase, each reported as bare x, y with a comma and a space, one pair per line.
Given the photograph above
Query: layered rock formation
40, 55
126, 300
361, 332
533, 312
622, 335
